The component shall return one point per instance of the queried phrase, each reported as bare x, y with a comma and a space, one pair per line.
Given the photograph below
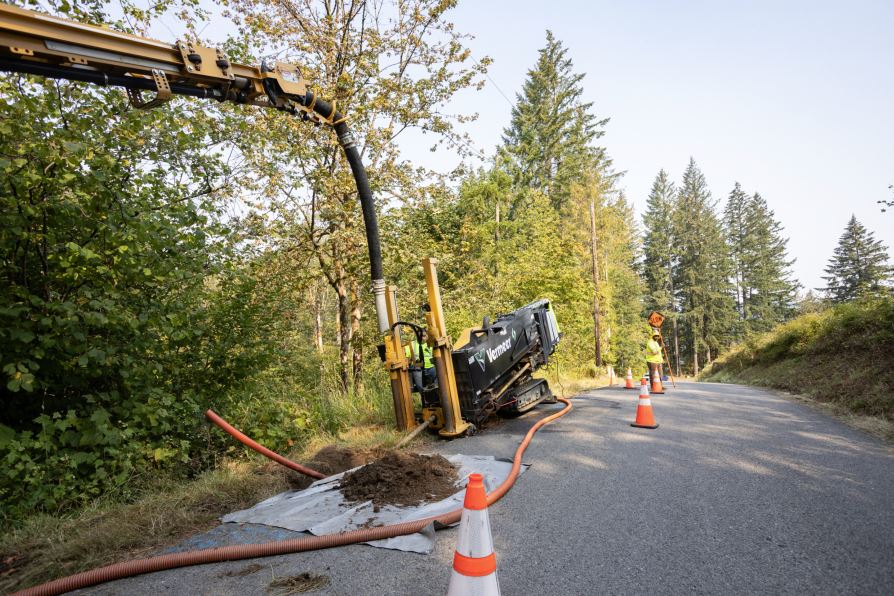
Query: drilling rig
489, 369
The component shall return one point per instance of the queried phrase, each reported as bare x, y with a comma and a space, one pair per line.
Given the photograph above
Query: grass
298, 584
841, 358
169, 509
568, 382
45, 547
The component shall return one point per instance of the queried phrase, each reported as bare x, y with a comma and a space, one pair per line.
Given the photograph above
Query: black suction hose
346, 140
329, 114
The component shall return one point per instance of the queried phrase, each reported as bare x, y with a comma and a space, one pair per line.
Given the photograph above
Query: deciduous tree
392, 67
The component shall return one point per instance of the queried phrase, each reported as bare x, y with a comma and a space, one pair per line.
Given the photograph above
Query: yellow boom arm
36, 43
39, 44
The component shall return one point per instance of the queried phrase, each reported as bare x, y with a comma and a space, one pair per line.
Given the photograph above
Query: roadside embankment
842, 357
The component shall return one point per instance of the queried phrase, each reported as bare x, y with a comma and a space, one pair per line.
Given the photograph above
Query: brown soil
333, 459
400, 478
329, 460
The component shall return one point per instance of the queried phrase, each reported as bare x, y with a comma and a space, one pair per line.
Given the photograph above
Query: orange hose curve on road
295, 545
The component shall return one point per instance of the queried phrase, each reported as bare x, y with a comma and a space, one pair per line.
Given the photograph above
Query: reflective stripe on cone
474, 562
657, 387
644, 416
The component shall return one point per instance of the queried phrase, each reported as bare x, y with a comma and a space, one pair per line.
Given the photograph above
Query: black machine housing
493, 370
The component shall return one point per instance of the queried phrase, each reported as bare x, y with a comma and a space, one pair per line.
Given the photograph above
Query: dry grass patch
47, 547
876, 426
298, 584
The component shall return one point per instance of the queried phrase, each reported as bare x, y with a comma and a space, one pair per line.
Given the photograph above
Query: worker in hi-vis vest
422, 364
653, 356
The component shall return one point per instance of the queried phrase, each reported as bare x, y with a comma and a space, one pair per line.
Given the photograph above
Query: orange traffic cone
474, 562
657, 387
628, 382
644, 416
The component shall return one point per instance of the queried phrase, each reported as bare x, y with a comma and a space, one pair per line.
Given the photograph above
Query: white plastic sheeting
322, 509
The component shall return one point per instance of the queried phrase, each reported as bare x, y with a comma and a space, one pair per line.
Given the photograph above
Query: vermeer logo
479, 357
498, 351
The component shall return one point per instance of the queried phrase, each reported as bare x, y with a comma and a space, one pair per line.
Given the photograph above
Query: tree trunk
356, 339
344, 333
670, 308
317, 306
694, 351
497, 240
606, 300
597, 352
676, 348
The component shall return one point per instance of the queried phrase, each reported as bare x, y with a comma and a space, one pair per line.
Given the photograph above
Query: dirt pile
329, 460
399, 478
333, 459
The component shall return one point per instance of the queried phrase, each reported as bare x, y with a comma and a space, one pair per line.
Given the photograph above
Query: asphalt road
739, 491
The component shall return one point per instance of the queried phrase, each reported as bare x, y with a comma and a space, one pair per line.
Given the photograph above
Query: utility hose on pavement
282, 547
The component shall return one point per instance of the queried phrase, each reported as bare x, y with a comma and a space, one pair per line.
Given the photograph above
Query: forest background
199, 255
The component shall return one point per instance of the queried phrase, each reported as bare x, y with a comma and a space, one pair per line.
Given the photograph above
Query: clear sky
793, 99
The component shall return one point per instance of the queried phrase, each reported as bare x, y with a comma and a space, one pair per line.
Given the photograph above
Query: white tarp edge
321, 508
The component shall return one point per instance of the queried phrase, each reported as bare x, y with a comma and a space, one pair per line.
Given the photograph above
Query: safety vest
427, 357
653, 352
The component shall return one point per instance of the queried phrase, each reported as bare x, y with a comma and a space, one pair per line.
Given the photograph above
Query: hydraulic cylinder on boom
488, 370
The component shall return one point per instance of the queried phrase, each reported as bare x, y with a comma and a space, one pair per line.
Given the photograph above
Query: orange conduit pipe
248, 442
282, 547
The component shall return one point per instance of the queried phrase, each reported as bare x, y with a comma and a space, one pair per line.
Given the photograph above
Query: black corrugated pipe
367, 205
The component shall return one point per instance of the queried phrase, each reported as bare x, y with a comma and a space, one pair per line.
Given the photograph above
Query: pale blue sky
794, 100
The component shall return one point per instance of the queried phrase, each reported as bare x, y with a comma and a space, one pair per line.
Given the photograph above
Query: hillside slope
843, 356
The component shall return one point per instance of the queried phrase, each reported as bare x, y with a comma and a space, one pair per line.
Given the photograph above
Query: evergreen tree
886, 203
547, 243
767, 290
549, 141
701, 278
658, 255
761, 274
859, 266
658, 243
738, 236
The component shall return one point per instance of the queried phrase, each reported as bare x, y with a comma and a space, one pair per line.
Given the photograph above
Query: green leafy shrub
125, 310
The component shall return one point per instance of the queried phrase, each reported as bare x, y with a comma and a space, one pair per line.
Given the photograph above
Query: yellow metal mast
454, 425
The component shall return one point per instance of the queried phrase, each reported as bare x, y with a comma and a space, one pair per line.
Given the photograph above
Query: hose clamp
346, 139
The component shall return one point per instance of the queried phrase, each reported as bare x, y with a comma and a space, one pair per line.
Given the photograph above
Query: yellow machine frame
448, 417
44, 45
